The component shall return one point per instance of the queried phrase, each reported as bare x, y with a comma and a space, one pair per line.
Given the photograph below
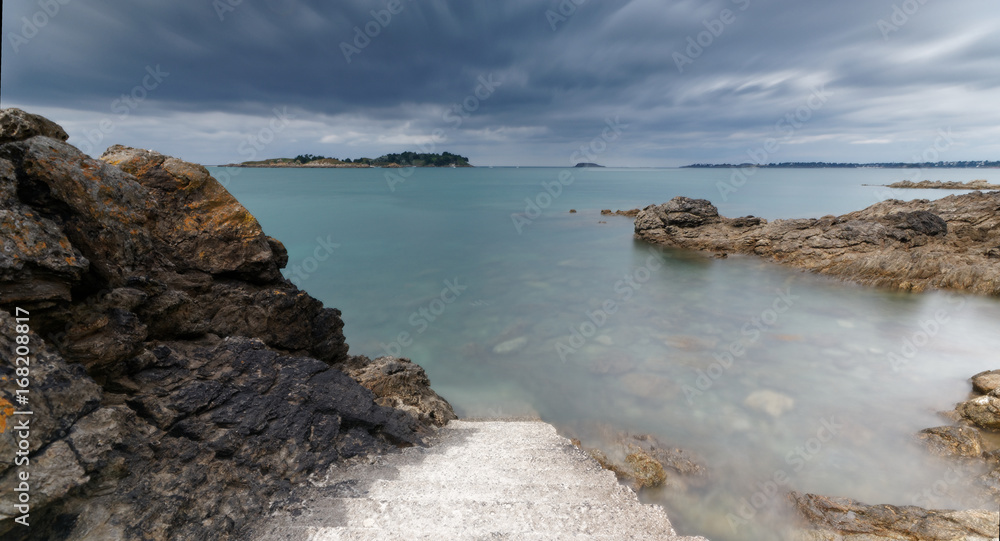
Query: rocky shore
943, 185
179, 385
966, 444
951, 243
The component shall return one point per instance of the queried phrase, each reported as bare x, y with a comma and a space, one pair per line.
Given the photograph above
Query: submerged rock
770, 402
181, 386
915, 245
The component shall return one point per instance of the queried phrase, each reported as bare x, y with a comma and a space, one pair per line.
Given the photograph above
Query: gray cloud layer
513, 82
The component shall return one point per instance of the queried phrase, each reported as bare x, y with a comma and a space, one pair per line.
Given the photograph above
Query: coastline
951, 243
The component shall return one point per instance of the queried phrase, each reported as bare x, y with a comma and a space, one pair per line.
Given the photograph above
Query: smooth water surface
567, 316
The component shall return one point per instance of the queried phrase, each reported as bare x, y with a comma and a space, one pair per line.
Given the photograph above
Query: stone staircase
483, 480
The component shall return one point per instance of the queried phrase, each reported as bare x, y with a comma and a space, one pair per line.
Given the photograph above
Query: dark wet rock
915, 245
180, 385
953, 441
842, 518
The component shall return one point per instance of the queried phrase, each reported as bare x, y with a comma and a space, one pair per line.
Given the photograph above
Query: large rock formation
951, 243
179, 385
845, 519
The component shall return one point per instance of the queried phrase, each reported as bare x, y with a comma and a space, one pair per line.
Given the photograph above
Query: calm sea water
566, 316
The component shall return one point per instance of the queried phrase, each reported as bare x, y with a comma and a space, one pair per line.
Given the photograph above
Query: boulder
18, 125
953, 441
402, 384
986, 382
982, 411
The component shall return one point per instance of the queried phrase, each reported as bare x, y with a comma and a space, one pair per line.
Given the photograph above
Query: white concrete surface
482, 480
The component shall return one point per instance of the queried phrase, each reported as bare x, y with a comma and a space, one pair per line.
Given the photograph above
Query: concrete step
481, 481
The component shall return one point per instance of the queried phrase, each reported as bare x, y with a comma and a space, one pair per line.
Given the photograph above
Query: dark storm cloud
693, 81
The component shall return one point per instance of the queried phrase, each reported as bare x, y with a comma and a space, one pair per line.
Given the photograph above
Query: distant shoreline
942, 185
881, 165
335, 166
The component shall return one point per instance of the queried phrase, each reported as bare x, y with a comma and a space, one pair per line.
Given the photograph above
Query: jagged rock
203, 226
180, 385
401, 384
953, 441
915, 245
18, 125
832, 519
37, 263
982, 411
986, 382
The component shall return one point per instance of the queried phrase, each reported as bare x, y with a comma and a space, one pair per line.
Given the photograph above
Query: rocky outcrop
401, 384
632, 213
952, 243
983, 409
845, 519
180, 386
953, 441
945, 185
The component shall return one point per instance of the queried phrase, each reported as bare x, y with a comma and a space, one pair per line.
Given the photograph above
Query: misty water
573, 320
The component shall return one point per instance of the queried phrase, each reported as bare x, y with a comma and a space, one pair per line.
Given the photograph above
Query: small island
979, 184
405, 159
587, 164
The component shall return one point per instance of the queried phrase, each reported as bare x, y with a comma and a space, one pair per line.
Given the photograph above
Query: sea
520, 298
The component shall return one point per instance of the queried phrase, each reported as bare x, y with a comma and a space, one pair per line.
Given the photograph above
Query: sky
640, 83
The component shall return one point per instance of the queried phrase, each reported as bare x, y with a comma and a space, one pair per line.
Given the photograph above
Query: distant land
883, 165
405, 159
978, 184
587, 164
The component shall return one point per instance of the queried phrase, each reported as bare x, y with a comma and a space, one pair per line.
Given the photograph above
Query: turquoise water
572, 319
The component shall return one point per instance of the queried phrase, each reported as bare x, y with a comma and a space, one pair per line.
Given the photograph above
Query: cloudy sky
514, 82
